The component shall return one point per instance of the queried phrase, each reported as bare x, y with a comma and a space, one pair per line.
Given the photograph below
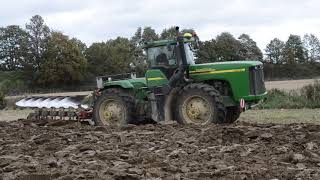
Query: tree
39, 33
227, 47
293, 51
139, 58
13, 48
187, 31
149, 34
312, 46
111, 57
169, 33
64, 63
249, 49
137, 37
274, 51
207, 53
82, 46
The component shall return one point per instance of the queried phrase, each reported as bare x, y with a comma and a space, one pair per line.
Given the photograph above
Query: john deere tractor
175, 88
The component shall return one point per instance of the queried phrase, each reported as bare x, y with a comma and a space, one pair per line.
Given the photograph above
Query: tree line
46, 57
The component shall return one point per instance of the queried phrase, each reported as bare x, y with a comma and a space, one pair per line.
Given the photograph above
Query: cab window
162, 56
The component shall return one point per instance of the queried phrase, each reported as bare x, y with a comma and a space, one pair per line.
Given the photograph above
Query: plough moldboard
57, 107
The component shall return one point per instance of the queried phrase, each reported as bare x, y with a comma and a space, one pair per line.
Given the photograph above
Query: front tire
200, 104
113, 108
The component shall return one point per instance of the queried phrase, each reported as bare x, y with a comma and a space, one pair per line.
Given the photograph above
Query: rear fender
119, 88
115, 88
122, 87
125, 84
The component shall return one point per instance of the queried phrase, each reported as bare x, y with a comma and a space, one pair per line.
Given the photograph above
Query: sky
100, 20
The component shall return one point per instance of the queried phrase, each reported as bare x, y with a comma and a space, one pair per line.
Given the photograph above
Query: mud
70, 150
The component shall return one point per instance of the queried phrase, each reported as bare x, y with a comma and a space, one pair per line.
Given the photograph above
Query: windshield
166, 55
162, 56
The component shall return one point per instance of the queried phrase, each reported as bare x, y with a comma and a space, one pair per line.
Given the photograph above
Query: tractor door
156, 78
163, 58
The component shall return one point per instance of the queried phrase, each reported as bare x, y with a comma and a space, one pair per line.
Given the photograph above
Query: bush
9, 85
306, 97
312, 93
12, 86
12, 82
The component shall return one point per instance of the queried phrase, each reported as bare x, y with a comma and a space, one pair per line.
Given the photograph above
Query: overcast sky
99, 20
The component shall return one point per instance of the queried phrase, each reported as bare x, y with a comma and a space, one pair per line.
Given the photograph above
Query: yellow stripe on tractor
217, 72
155, 79
203, 72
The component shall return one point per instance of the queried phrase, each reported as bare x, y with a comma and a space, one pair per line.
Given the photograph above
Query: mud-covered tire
203, 94
233, 113
32, 116
122, 99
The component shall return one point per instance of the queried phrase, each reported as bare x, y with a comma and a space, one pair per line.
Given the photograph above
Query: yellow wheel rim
111, 112
197, 110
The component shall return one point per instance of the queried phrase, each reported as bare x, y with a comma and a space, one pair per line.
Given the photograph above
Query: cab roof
165, 42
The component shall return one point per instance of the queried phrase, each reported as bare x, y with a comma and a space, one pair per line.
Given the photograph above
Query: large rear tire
114, 107
200, 104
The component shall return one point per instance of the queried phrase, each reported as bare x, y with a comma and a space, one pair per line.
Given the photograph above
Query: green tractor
175, 88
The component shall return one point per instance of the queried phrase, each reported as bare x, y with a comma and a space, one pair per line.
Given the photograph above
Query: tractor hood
238, 74
225, 65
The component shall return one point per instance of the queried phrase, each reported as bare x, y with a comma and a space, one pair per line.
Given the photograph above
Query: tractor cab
164, 55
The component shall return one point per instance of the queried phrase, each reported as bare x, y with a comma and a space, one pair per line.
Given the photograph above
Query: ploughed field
70, 150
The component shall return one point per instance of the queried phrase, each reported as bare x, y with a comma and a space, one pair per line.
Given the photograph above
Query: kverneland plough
54, 107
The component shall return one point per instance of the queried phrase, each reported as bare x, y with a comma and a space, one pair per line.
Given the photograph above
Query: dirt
70, 150
12, 115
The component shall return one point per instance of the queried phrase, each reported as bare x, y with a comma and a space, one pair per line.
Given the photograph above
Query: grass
306, 97
295, 106
282, 116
